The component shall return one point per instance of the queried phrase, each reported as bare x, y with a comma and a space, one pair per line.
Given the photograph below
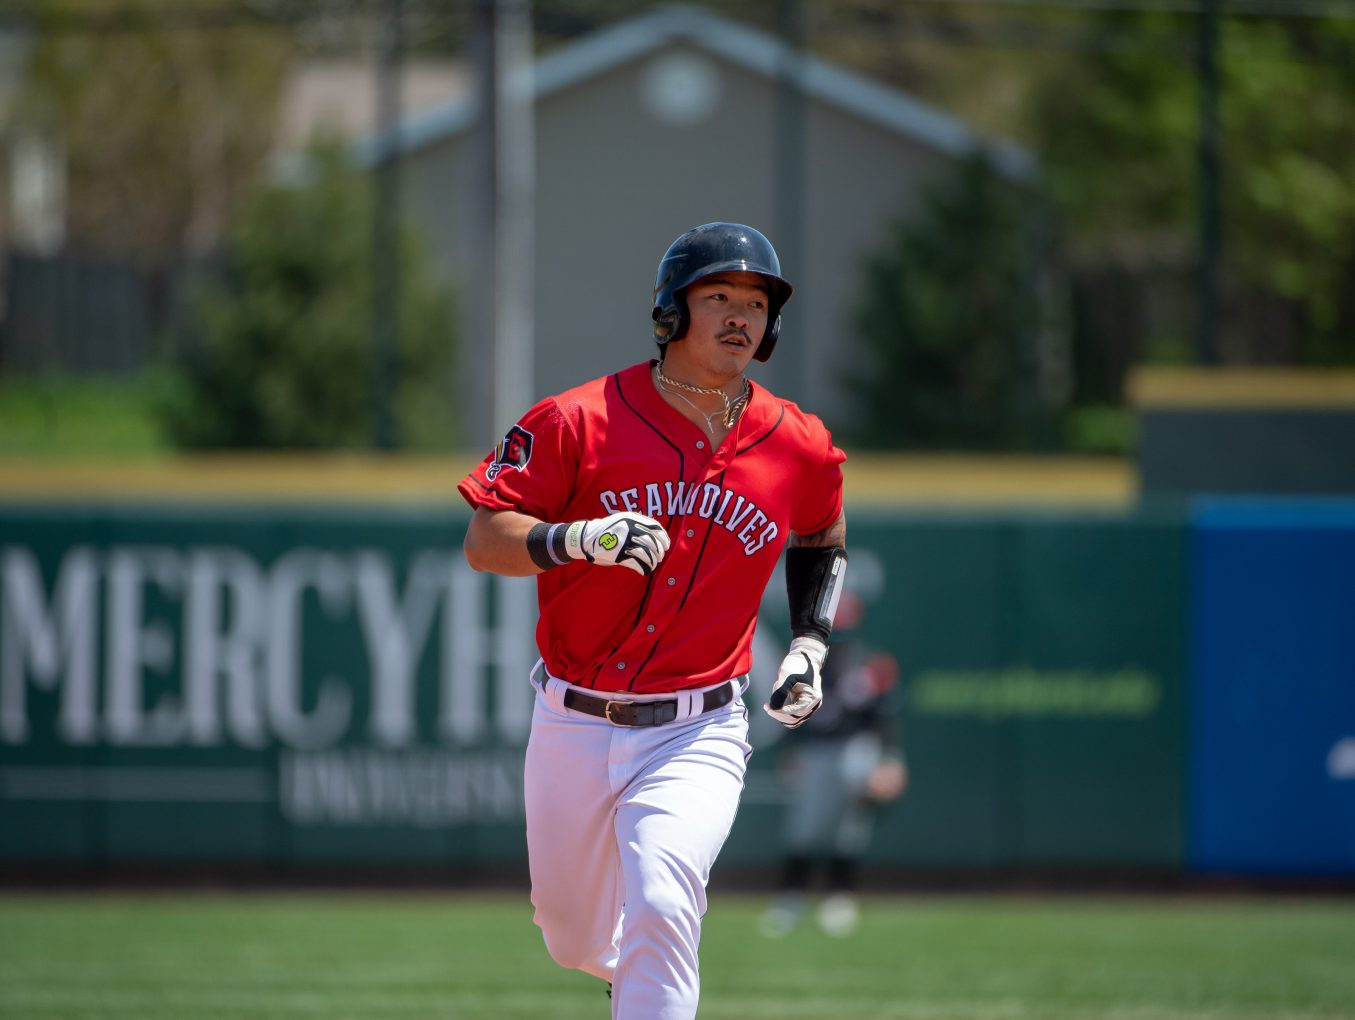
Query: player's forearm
816, 567
496, 542
518, 545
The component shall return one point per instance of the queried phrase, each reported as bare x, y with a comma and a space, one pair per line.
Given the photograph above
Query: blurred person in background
843, 765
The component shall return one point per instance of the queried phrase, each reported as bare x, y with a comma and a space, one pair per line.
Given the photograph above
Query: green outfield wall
282, 686
1042, 666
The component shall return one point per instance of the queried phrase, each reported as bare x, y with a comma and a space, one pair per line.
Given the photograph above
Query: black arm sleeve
814, 578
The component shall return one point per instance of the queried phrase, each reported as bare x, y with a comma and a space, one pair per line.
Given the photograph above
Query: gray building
654, 124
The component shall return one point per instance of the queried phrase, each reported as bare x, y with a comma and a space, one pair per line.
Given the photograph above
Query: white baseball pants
623, 826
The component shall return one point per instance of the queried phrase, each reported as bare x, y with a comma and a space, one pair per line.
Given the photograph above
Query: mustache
735, 332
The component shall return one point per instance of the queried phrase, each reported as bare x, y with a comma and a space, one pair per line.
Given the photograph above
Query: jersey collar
761, 414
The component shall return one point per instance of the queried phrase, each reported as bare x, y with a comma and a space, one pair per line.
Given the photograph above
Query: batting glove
625, 539
798, 692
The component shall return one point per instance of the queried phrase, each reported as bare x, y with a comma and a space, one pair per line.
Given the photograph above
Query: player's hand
624, 539
798, 692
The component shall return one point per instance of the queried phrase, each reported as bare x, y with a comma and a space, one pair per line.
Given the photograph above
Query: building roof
740, 45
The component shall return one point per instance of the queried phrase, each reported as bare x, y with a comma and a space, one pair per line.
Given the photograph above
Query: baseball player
653, 505
847, 764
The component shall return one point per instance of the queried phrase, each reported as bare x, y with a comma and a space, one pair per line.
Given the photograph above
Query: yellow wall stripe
871, 479
1242, 388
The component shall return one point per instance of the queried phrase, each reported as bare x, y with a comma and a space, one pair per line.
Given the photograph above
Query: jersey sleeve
820, 501
531, 470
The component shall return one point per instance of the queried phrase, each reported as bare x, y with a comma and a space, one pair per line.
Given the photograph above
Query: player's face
728, 316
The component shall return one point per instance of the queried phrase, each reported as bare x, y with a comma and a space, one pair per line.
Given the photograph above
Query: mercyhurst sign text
381, 697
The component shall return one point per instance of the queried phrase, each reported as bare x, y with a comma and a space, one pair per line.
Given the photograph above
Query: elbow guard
814, 579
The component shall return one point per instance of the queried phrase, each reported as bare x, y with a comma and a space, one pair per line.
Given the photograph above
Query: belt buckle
607, 712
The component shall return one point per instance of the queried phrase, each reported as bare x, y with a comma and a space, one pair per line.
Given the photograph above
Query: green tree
165, 112
949, 314
1117, 130
1289, 184
277, 347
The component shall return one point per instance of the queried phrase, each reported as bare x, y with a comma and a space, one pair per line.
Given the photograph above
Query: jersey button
620, 665
672, 581
649, 629
691, 533
700, 444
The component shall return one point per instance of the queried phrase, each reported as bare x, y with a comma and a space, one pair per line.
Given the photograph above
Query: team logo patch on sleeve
514, 450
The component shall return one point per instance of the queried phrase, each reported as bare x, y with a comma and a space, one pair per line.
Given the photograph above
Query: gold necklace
729, 413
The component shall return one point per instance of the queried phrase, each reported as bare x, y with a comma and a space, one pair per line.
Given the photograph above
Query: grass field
355, 956
59, 416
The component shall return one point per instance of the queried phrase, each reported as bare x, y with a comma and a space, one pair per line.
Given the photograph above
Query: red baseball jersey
615, 444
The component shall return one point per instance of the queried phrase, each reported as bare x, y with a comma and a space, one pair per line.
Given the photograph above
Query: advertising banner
257, 684
1043, 664
292, 686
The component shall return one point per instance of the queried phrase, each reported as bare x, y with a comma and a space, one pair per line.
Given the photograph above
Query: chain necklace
727, 414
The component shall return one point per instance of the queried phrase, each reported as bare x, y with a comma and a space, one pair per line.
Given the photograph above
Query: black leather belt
644, 713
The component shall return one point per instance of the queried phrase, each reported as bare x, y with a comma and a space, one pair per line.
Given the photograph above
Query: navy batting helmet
704, 251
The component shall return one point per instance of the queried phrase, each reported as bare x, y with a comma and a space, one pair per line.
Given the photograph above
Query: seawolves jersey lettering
615, 444
707, 501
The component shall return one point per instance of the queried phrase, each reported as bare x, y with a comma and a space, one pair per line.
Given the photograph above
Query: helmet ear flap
769, 338
670, 323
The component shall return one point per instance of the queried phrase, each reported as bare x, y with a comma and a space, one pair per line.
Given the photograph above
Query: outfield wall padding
1272, 761
290, 687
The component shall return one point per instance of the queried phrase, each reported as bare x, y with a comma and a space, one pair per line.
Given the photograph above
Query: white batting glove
626, 539
798, 691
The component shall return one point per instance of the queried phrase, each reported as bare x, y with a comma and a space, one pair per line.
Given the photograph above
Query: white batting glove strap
798, 691
624, 539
